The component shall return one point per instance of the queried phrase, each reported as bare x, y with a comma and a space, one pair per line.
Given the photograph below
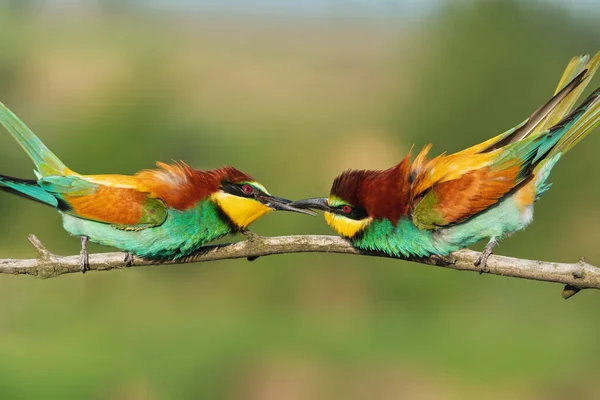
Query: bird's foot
250, 235
481, 261
84, 257
128, 260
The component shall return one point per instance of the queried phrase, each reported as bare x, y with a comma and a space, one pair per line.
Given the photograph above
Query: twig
575, 277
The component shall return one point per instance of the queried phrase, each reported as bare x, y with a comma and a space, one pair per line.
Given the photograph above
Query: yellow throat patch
346, 227
241, 210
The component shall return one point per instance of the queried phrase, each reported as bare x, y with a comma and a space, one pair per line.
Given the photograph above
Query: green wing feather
71, 185
28, 189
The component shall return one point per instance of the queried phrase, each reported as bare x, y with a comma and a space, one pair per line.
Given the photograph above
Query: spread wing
447, 192
451, 188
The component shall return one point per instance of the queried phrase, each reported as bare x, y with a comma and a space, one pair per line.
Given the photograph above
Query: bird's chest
400, 239
405, 239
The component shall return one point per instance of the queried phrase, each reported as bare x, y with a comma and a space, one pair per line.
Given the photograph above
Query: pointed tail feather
45, 161
573, 82
28, 189
582, 121
569, 131
575, 67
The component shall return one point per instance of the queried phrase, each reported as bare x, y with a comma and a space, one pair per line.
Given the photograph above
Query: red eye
347, 209
248, 189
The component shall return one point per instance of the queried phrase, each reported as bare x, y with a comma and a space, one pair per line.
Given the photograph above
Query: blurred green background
293, 94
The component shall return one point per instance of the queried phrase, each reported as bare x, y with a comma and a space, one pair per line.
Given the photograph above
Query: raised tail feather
45, 161
575, 67
573, 82
554, 131
569, 131
582, 121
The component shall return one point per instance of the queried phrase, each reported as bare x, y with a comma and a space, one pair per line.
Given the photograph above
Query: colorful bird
166, 213
439, 205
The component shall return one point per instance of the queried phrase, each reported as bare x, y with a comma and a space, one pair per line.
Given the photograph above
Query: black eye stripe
238, 189
356, 213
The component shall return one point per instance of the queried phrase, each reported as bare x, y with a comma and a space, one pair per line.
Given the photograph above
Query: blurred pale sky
324, 8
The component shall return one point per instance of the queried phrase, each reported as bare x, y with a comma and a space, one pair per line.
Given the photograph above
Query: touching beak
280, 204
318, 203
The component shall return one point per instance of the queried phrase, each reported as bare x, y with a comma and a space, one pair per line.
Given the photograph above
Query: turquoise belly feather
182, 233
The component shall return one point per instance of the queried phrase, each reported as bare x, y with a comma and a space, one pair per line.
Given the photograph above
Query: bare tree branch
575, 277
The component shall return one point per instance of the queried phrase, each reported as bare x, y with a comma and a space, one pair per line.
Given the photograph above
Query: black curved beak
281, 204
317, 203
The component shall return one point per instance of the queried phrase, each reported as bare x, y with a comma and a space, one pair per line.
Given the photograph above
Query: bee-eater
166, 213
439, 205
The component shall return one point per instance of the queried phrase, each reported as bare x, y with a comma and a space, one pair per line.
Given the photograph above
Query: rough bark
575, 276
